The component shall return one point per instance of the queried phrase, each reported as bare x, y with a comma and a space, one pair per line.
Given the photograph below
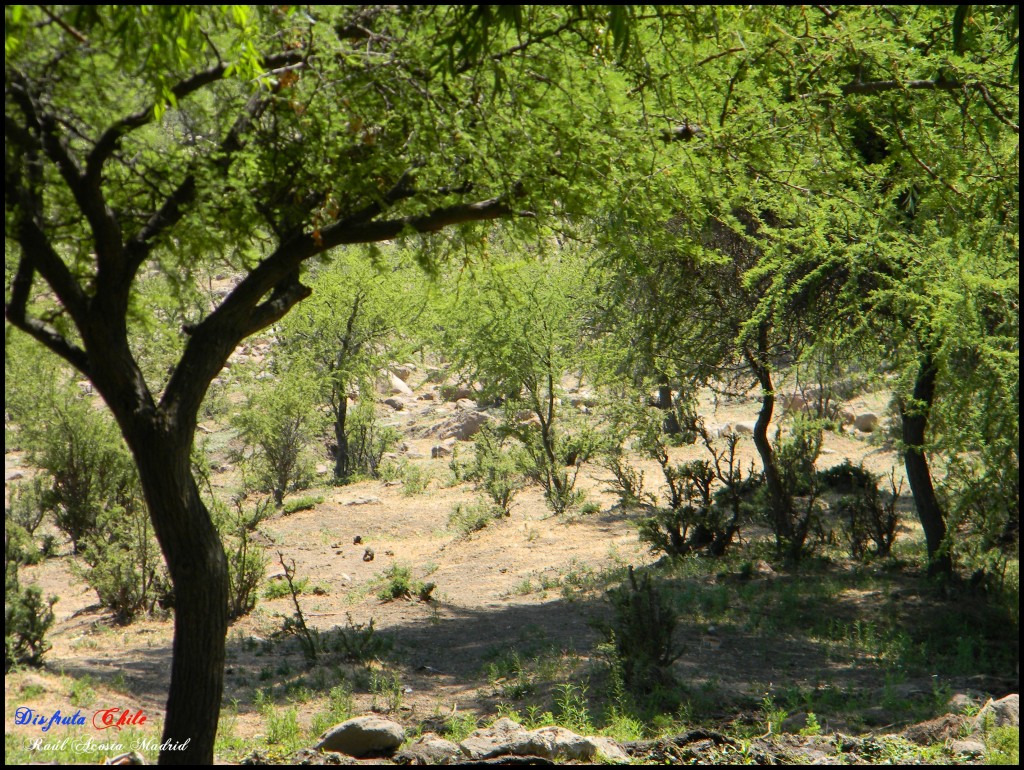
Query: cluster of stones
375, 736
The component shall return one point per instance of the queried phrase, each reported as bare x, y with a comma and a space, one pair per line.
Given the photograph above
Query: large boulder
462, 425
503, 737
866, 422
507, 737
1004, 712
404, 371
391, 384
363, 737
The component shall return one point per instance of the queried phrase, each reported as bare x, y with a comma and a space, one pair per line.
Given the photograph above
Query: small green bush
123, 562
247, 563
279, 427
361, 642
641, 634
27, 504
27, 617
496, 469
398, 585
467, 518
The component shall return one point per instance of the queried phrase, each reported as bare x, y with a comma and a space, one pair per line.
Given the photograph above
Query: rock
944, 728
608, 750
466, 404
462, 425
969, 747
458, 392
427, 396
368, 554
429, 749
444, 449
506, 737
363, 501
743, 428
363, 736
1004, 712
565, 744
866, 422
404, 371
395, 403
394, 386
13, 476
502, 737
847, 416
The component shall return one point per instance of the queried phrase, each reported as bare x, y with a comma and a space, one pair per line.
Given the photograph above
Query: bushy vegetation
27, 617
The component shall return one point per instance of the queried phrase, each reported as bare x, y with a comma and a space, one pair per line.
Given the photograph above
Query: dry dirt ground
519, 585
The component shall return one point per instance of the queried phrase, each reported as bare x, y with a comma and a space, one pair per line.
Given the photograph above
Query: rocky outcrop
508, 738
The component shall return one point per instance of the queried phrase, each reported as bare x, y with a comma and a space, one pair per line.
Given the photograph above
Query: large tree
248, 141
874, 152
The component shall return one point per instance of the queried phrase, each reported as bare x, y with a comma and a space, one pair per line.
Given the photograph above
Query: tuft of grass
458, 727
82, 693
387, 687
304, 503
278, 589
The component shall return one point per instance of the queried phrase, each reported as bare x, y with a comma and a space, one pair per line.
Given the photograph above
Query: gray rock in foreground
506, 737
363, 736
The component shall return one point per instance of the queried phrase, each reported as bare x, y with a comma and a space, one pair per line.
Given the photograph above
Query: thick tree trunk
341, 463
195, 558
915, 422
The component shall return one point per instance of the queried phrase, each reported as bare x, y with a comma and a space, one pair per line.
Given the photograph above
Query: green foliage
345, 335
26, 509
866, 512
496, 468
1002, 746
467, 518
87, 468
361, 642
641, 634
519, 329
399, 584
27, 617
368, 441
303, 503
278, 427
247, 563
123, 562
386, 686
794, 520
415, 479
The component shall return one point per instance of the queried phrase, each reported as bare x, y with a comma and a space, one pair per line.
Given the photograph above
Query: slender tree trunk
198, 567
341, 463
777, 497
915, 422
671, 424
